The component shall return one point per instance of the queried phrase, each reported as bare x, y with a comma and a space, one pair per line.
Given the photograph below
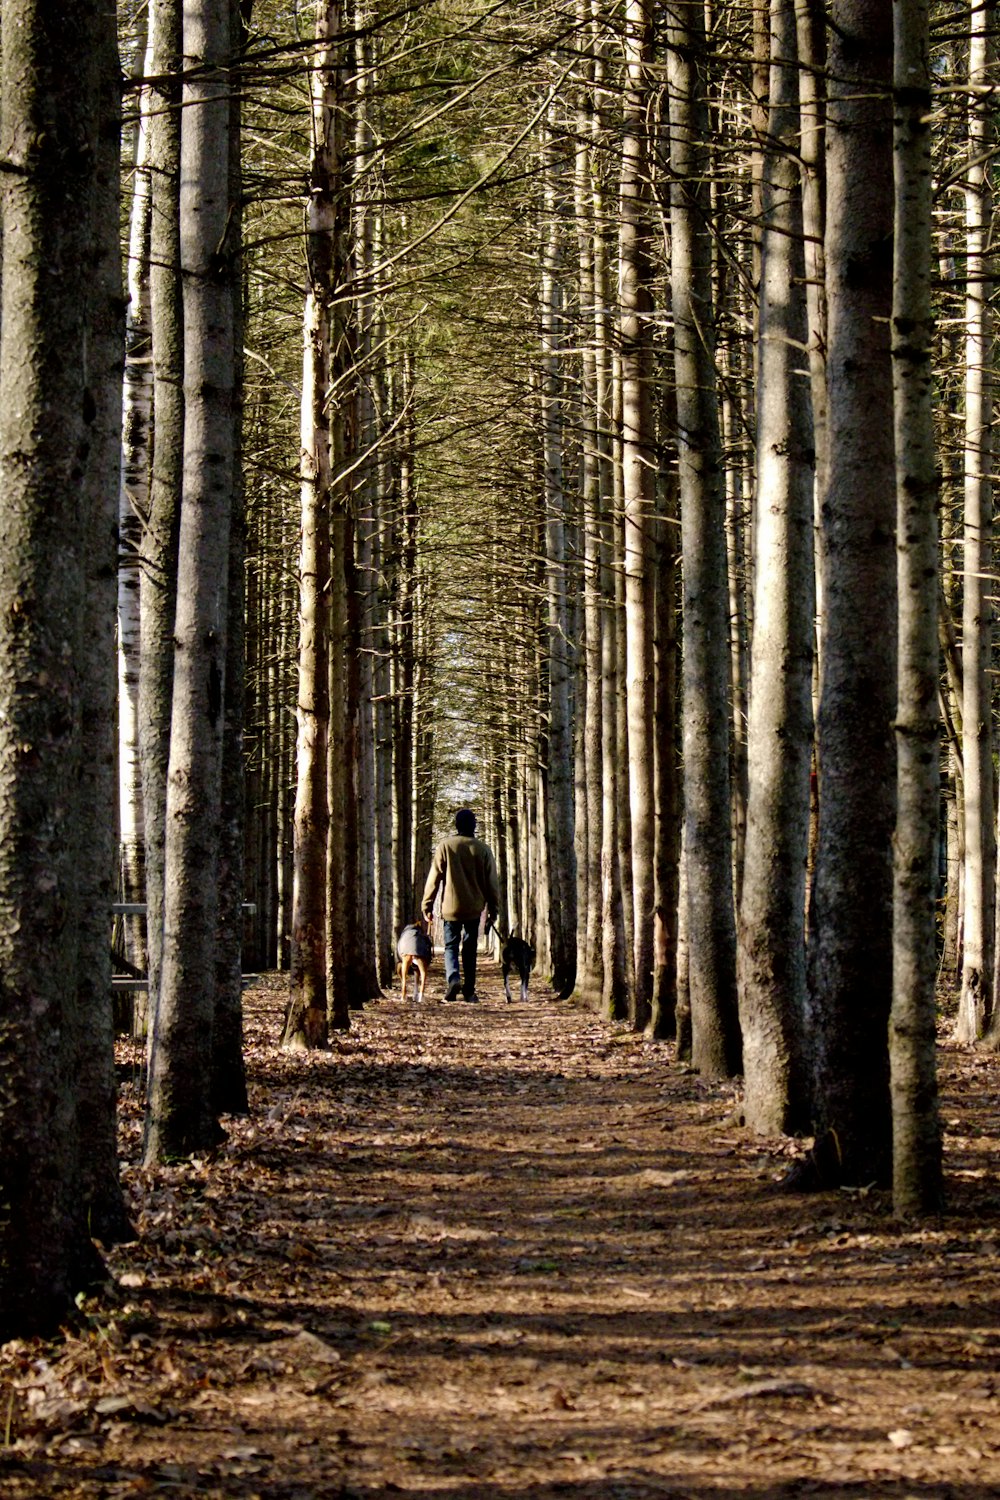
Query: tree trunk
810, 26
916, 1128
639, 491
136, 457
96, 1124
668, 778
772, 914
158, 584
614, 773
589, 967
49, 98
707, 810
559, 800
340, 995
181, 1117
306, 1017
850, 955
404, 667
976, 1002
229, 1083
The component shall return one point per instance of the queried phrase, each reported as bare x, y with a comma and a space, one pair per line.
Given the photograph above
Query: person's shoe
473, 999
452, 993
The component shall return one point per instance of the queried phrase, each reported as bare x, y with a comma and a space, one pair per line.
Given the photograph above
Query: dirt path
511, 1252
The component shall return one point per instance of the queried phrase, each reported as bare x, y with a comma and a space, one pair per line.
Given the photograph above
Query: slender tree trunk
711, 917
340, 851
229, 1084
669, 773
624, 773
49, 105
306, 1018
851, 916
181, 1116
916, 1127
406, 878
773, 996
810, 36
614, 772
96, 1123
559, 800
158, 585
424, 771
976, 1001
737, 563
589, 976
639, 489
136, 459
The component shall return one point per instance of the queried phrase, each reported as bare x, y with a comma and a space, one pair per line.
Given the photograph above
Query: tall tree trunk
916, 1128
589, 976
229, 1084
810, 26
772, 955
49, 111
669, 774
639, 489
158, 584
850, 955
976, 1001
404, 664
707, 811
559, 801
614, 772
424, 770
96, 1124
180, 1111
341, 767
136, 457
306, 1017
623, 819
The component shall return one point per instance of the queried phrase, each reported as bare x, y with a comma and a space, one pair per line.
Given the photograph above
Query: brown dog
415, 951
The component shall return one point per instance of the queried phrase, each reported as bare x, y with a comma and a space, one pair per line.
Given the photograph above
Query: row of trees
700, 388
617, 350
62, 355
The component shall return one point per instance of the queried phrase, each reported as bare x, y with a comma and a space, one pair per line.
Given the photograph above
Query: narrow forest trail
492, 1251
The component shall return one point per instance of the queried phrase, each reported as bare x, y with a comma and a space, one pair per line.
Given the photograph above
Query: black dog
517, 954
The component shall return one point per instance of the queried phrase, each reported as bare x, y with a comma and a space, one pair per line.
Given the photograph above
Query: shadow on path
514, 1252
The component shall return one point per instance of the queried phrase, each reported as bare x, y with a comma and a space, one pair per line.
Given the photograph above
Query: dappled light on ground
512, 1252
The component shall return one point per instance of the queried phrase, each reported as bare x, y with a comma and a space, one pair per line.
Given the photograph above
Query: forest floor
512, 1251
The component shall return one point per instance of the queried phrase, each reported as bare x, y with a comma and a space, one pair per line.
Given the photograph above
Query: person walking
464, 866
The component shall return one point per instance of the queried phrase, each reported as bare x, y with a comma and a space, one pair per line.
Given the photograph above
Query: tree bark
589, 965
136, 459
96, 1089
976, 1000
181, 1117
773, 995
559, 799
707, 811
916, 1128
850, 955
306, 1017
49, 105
229, 1082
158, 583
635, 333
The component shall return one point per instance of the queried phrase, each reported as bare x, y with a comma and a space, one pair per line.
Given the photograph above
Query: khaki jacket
466, 869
